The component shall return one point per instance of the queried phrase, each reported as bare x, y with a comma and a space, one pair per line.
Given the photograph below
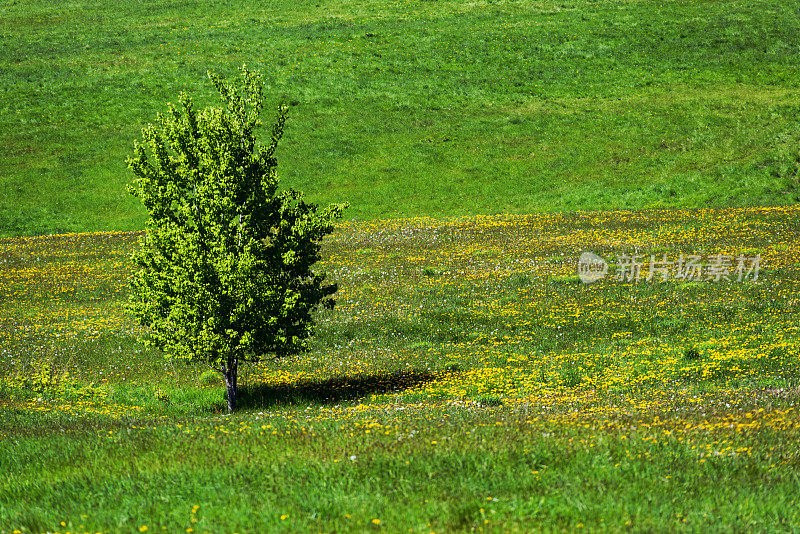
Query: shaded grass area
334, 390
414, 108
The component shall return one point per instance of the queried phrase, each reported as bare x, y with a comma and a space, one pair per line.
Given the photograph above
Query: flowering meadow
467, 380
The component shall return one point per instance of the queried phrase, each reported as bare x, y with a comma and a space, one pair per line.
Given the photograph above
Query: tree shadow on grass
331, 391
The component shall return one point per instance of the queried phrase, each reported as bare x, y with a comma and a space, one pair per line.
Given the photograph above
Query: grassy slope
529, 401
413, 107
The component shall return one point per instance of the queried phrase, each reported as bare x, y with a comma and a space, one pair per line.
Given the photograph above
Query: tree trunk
231, 371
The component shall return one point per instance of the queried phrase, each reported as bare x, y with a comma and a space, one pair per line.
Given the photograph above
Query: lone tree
224, 268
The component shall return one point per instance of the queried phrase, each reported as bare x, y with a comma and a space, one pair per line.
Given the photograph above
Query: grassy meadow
467, 381
413, 107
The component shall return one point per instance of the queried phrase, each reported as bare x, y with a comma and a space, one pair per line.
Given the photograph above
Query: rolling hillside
408, 108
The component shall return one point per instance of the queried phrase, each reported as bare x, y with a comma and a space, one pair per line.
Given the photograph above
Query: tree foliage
224, 268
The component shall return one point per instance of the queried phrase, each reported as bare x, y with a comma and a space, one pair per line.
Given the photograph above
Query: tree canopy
224, 268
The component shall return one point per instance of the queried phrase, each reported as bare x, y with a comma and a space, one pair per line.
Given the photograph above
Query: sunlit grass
413, 108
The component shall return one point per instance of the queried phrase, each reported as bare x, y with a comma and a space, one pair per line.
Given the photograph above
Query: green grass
466, 381
486, 479
413, 108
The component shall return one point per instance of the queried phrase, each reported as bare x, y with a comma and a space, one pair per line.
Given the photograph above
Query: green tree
224, 267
